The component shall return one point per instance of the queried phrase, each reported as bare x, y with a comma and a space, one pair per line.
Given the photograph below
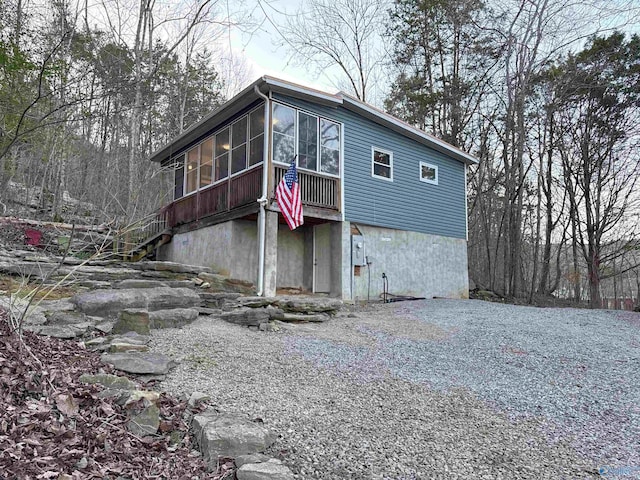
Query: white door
322, 258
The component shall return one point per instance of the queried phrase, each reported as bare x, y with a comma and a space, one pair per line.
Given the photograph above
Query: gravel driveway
451, 389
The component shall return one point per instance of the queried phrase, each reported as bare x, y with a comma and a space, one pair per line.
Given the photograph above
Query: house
379, 197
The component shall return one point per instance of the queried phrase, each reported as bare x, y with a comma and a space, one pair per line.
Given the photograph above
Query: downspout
262, 201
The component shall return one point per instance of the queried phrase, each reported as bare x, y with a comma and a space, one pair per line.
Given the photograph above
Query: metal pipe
263, 199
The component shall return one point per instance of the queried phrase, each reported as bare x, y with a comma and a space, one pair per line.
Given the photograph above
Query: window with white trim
315, 140
428, 173
193, 162
381, 164
236, 147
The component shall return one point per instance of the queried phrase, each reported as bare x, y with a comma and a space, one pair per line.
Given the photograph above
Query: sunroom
220, 175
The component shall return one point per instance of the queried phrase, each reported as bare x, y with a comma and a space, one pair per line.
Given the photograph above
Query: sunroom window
178, 186
256, 136
206, 162
307, 141
193, 159
284, 123
239, 145
222, 155
316, 141
330, 147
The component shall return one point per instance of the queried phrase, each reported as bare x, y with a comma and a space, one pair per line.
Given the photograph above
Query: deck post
271, 254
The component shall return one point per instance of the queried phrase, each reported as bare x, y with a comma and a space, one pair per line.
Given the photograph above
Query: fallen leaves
54, 427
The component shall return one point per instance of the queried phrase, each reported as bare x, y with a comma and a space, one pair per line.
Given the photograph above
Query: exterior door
322, 258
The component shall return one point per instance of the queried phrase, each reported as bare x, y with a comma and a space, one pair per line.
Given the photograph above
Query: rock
116, 347
198, 281
62, 305
251, 458
82, 463
139, 283
174, 318
132, 338
217, 299
301, 317
272, 469
108, 381
246, 316
58, 331
221, 283
139, 363
229, 435
65, 318
256, 302
205, 285
209, 311
105, 327
173, 267
308, 304
146, 422
198, 397
105, 303
137, 395
132, 320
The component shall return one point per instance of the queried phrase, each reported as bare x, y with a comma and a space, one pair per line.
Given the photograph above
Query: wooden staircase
142, 238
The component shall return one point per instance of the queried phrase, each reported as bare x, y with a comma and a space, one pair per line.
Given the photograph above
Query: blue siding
406, 203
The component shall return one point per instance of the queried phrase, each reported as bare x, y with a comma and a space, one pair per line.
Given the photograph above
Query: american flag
288, 197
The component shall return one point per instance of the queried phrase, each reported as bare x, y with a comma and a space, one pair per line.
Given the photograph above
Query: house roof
267, 84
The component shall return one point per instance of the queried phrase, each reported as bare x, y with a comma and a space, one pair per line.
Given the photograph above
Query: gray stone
217, 299
179, 283
65, 318
301, 304
301, 317
58, 331
221, 283
132, 320
113, 382
270, 470
197, 398
139, 283
62, 305
174, 318
105, 327
256, 302
173, 267
106, 303
146, 422
246, 316
229, 435
139, 363
251, 458
209, 311
116, 347
131, 337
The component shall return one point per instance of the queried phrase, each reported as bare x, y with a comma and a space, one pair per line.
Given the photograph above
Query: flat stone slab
272, 469
65, 318
229, 435
294, 304
108, 381
139, 362
247, 316
303, 317
172, 267
58, 331
139, 283
220, 283
173, 318
108, 302
132, 320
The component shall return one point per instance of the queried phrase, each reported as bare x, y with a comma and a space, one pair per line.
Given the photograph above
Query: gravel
431, 389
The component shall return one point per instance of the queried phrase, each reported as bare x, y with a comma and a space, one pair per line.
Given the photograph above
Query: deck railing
316, 190
243, 189
132, 236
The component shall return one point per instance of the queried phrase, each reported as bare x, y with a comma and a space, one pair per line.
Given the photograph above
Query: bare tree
342, 33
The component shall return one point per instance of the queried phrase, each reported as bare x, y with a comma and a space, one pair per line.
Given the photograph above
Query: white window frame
373, 163
428, 180
295, 137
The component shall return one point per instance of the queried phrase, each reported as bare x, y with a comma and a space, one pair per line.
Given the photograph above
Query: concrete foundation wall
230, 248
291, 257
416, 264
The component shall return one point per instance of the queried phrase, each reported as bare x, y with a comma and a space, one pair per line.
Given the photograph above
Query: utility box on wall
357, 250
